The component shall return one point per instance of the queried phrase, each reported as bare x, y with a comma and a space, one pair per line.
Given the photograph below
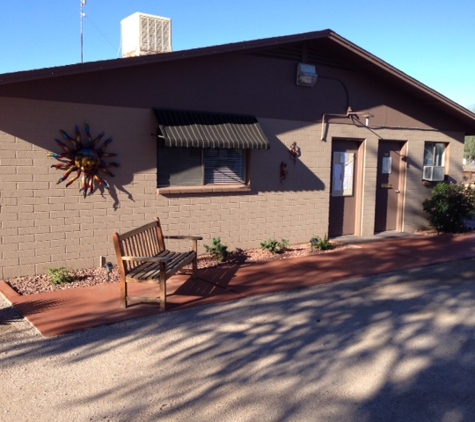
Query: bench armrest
146, 258
183, 237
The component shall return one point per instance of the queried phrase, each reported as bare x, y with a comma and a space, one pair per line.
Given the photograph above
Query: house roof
321, 47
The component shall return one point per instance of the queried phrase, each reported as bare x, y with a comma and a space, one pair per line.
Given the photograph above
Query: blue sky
432, 41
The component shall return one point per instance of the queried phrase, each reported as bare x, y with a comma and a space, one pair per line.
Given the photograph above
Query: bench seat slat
151, 270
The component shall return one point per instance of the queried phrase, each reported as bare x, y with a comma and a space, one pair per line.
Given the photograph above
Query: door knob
397, 191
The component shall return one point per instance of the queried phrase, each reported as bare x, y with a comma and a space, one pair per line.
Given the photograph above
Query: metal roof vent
145, 34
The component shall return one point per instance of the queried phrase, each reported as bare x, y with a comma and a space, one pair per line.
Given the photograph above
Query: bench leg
194, 266
163, 287
123, 293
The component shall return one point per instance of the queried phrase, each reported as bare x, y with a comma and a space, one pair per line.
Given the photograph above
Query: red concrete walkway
65, 311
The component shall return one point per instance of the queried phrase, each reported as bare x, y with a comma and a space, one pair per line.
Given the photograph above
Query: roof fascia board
414, 83
243, 46
112, 64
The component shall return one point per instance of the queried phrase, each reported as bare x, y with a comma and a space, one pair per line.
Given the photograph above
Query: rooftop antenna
82, 15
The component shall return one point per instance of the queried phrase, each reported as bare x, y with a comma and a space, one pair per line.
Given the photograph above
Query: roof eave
73, 69
437, 98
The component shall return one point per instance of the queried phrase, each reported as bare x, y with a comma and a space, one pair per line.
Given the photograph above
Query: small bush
60, 275
449, 206
217, 250
274, 246
322, 244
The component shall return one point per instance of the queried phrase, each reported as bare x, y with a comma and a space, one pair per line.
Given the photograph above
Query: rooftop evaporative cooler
145, 34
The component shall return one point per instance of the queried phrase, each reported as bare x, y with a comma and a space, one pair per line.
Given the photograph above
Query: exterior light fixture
306, 74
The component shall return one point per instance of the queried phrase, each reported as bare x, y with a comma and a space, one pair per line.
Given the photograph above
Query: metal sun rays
84, 159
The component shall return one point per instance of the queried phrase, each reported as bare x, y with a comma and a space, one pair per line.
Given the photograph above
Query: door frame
402, 179
358, 182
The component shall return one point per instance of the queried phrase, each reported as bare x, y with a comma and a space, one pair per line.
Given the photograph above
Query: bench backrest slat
146, 240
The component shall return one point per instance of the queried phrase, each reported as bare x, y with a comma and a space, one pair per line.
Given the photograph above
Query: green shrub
449, 206
217, 250
322, 244
60, 275
275, 246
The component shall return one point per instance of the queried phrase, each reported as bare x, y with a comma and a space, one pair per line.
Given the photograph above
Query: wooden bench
142, 257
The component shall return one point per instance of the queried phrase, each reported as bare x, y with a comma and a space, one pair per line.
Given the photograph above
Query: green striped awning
195, 129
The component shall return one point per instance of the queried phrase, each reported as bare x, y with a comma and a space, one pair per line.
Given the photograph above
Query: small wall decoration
294, 151
84, 158
283, 171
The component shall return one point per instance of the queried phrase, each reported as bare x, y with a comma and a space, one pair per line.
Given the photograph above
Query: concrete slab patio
66, 311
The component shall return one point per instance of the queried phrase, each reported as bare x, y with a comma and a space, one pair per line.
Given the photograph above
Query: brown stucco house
286, 137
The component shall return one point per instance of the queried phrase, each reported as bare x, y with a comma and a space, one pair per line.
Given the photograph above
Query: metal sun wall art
86, 159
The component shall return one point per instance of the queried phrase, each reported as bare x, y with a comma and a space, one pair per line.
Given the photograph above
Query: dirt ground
93, 276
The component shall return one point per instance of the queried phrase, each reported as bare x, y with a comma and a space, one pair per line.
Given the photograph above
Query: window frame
435, 158
245, 186
434, 154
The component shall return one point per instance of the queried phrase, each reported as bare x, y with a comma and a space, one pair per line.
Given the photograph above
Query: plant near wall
449, 206
60, 275
274, 246
217, 250
321, 243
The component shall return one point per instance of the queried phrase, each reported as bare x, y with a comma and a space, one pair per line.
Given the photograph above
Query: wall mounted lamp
306, 74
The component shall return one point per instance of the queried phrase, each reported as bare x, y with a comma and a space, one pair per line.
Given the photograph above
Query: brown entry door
344, 188
388, 190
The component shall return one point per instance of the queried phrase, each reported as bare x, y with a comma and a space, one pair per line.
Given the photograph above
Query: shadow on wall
39, 123
416, 197
276, 170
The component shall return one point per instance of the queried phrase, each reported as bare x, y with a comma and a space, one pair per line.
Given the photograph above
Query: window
434, 154
201, 167
224, 166
434, 161
202, 151
343, 173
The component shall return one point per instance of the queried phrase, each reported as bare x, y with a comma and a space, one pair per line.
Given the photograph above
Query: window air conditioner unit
433, 173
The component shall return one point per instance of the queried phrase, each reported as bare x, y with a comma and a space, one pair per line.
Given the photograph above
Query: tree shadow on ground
390, 347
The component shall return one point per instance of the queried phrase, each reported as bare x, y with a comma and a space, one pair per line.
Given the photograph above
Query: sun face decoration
86, 159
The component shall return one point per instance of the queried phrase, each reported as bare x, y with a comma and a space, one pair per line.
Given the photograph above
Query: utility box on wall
145, 34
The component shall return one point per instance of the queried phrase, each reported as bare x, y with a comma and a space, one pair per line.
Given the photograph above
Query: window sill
180, 190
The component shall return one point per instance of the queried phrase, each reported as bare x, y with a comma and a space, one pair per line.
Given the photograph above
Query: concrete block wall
415, 192
293, 209
46, 225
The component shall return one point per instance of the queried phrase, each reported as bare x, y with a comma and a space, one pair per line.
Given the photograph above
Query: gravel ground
93, 276
394, 347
